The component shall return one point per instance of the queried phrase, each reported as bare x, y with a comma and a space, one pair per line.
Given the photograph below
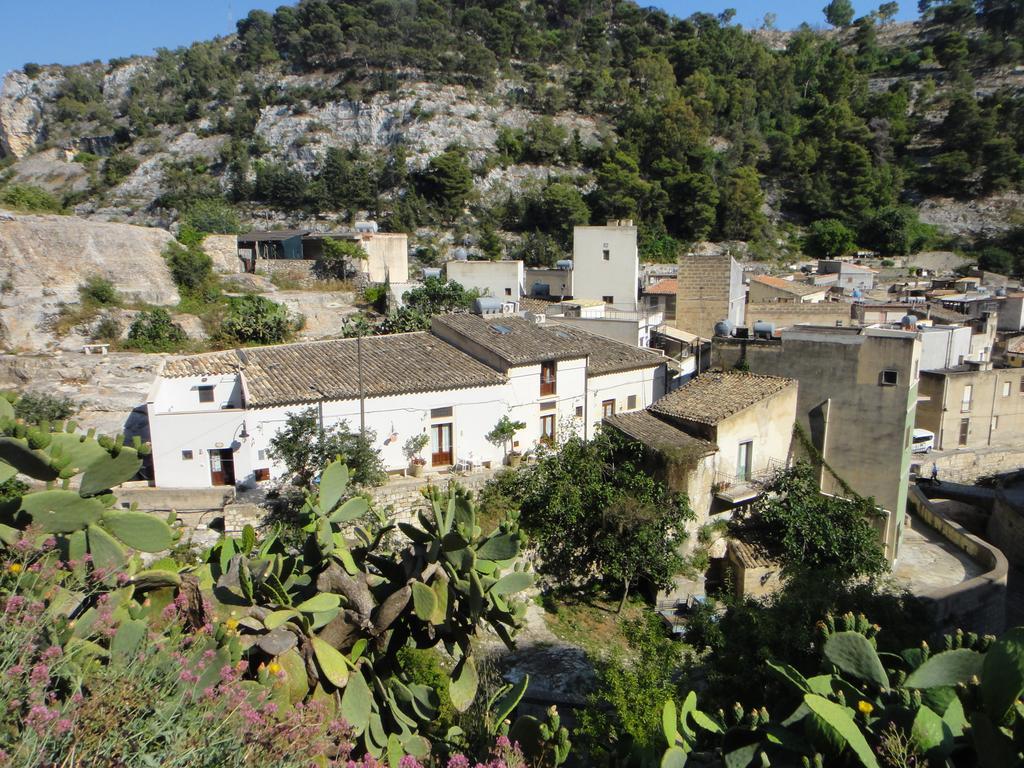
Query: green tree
623, 712
596, 514
98, 292
211, 216
810, 532
828, 238
888, 11
305, 449
192, 271
154, 331
255, 319
894, 231
739, 208
1000, 260
340, 258
436, 297
838, 13
556, 211
447, 182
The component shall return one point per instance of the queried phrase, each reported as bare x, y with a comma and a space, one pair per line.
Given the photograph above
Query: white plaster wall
196, 431
182, 394
525, 400
558, 281
387, 256
593, 277
648, 384
944, 347
493, 278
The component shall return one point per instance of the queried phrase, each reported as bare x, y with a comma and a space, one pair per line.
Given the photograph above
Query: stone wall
295, 269
784, 314
969, 465
702, 298
405, 496
1005, 529
978, 604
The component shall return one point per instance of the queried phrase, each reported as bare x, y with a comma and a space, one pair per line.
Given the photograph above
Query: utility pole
359, 376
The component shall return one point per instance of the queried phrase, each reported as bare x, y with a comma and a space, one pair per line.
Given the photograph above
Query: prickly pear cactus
334, 616
77, 505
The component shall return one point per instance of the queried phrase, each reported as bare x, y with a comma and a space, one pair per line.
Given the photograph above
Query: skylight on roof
504, 330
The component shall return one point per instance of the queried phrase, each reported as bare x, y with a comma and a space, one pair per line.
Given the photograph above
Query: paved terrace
928, 561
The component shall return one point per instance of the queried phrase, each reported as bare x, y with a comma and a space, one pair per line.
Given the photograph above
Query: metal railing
758, 479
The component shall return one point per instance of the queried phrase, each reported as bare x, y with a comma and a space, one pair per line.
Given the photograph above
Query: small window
608, 408
547, 430
261, 474
965, 429
965, 400
579, 411
261, 455
631, 402
1006, 389
206, 394
608, 299
441, 413
606, 254
890, 378
549, 406
186, 455
508, 291
548, 373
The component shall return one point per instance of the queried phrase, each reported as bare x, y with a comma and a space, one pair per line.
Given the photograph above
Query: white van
923, 441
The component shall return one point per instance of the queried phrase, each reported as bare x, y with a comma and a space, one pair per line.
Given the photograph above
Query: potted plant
503, 434
412, 448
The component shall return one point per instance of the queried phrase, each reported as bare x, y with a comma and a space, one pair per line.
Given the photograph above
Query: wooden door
440, 445
222, 466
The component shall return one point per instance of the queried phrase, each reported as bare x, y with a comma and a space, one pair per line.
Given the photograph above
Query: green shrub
192, 271
154, 331
98, 291
108, 329
213, 216
257, 320
118, 167
24, 197
37, 407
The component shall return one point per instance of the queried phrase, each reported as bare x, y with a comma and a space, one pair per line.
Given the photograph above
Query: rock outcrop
223, 250
21, 111
44, 260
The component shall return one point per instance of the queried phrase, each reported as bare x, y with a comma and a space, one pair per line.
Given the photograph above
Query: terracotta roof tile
645, 427
392, 365
669, 286
717, 395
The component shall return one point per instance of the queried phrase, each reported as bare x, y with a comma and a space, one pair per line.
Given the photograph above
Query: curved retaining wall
978, 604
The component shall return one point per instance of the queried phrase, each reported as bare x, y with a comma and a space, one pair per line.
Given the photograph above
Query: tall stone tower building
710, 289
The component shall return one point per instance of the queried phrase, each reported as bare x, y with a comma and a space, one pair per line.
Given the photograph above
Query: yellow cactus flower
865, 707
15, 568
231, 624
274, 668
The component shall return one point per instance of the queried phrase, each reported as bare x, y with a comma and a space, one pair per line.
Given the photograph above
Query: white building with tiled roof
212, 416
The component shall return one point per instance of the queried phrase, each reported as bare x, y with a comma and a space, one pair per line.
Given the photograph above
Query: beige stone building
765, 289
709, 289
972, 406
857, 403
718, 437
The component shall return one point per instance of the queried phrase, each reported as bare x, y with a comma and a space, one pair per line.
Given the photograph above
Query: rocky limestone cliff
21, 110
44, 259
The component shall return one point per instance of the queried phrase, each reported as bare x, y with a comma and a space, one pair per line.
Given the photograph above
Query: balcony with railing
735, 489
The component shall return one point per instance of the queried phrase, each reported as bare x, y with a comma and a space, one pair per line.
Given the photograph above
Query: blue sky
73, 31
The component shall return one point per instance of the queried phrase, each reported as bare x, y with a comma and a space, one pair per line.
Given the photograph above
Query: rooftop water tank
563, 264
431, 272
857, 293
908, 322
763, 329
487, 305
461, 254
723, 328
366, 226
1000, 291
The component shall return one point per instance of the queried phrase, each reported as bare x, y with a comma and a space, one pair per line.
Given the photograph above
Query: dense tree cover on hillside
707, 120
